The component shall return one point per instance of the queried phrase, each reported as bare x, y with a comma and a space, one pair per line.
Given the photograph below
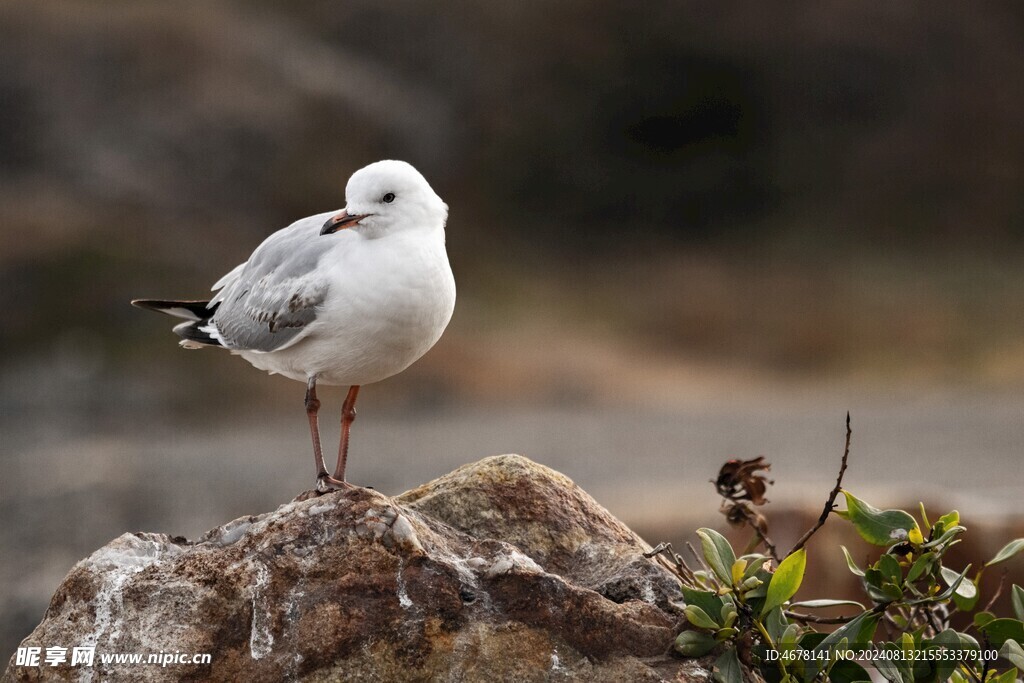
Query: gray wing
269, 301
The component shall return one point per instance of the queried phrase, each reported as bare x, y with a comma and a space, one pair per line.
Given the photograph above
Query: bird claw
325, 483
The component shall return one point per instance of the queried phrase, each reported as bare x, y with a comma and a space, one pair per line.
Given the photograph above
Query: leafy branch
743, 608
830, 504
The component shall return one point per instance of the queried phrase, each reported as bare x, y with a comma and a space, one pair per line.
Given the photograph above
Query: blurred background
682, 232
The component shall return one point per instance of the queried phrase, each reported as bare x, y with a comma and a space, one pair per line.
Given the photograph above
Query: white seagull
341, 298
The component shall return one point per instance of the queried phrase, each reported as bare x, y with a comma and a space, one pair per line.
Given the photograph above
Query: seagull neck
375, 232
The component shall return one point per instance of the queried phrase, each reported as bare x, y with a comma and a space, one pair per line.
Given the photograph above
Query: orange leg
312, 408
348, 416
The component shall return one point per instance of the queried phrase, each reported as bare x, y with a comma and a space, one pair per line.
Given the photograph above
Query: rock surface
501, 570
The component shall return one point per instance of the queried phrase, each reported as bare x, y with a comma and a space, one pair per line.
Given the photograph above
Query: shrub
742, 608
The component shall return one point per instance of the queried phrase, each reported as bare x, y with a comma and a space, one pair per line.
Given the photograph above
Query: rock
501, 570
550, 519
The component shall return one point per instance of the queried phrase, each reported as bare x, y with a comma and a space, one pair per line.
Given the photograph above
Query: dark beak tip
340, 222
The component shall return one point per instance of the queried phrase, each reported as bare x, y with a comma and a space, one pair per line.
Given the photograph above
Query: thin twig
930, 616
660, 559
999, 591
831, 502
888, 623
984, 661
659, 549
814, 619
761, 536
673, 562
700, 560
679, 558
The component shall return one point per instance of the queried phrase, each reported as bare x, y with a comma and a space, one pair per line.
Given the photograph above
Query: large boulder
501, 570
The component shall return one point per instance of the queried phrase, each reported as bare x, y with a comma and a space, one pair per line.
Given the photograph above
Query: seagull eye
389, 197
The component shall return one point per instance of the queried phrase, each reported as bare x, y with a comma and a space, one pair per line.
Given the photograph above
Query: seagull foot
325, 483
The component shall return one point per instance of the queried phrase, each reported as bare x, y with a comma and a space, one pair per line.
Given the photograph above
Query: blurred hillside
836, 188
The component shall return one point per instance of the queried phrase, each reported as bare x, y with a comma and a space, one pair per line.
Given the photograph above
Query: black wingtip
189, 310
144, 303
195, 334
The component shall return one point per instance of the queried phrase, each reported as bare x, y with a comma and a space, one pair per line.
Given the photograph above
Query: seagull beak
341, 221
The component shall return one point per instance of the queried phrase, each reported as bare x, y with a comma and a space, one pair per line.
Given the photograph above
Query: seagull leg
348, 416
312, 407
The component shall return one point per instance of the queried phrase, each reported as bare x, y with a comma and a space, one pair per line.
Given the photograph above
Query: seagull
340, 298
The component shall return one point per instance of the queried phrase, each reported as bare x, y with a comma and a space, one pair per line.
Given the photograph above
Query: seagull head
388, 196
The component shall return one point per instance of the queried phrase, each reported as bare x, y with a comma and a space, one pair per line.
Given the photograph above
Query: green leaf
1017, 598
968, 642
866, 632
1008, 551
821, 604
1012, 652
921, 565
850, 563
694, 643
728, 614
873, 577
699, 618
727, 668
718, 554
878, 588
946, 594
886, 594
724, 634
776, 624
965, 604
879, 527
854, 631
755, 562
785, 581
944, 668
965, 588
738, 567
946, 538
982, 618
755, 587
811, 640
924, 515
846, 671
1005, 677
947, 521
998, 631
890, 667
706, 600
890, 567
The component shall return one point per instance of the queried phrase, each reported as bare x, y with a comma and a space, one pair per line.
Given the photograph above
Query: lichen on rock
501, 570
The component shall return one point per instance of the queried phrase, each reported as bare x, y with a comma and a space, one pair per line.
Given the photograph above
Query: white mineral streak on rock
648, 593
261, 640
556, 664
403, 595
114, 564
